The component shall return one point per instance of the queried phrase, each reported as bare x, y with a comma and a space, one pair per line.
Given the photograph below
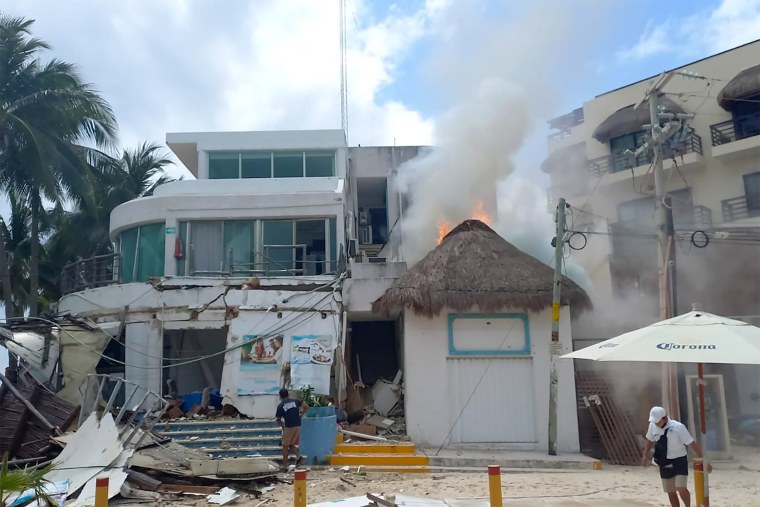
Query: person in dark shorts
289, 413
670, 440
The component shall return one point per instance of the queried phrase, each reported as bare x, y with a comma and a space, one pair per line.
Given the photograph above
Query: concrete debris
92, 449
223, 497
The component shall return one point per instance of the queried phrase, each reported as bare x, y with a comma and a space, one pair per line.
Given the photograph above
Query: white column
202, 165
144, 357
170, 262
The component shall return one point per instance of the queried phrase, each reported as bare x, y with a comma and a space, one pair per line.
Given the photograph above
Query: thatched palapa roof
474, 266
744, 84
627, 119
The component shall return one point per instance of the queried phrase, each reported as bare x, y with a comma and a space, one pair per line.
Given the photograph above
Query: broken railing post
494, 485
36, 413
101, 492
299, 489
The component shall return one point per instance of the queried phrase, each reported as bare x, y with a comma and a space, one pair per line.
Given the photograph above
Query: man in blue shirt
288, 415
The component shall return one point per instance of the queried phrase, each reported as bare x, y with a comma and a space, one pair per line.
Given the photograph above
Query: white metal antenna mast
343, 71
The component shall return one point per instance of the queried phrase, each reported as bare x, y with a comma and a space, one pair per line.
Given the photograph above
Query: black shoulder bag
661, 449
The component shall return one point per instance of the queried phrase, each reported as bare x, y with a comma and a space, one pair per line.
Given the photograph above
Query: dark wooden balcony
735, 129
621, 161
736, 208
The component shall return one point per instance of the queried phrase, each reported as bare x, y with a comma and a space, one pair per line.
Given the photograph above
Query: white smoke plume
475, 144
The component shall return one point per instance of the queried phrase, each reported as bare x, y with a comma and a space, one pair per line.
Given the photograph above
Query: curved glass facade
142, 252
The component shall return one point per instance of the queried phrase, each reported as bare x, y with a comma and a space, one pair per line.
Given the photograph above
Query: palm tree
16, 482
47, 116
84, 231
16, 232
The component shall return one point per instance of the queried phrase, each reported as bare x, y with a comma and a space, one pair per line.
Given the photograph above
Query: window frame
304, 154
523, 317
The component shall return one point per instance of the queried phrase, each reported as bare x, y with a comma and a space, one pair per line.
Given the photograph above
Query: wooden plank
22, 423
192, 489
143, 481
36, 413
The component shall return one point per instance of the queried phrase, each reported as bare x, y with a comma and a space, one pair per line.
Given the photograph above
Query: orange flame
479, 213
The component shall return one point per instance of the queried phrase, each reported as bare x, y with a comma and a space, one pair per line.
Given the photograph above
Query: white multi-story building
711, 173
252, 251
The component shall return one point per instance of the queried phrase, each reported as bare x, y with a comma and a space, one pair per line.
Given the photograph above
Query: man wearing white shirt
671, 454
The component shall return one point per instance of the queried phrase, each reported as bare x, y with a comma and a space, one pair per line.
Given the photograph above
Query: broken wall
204, 312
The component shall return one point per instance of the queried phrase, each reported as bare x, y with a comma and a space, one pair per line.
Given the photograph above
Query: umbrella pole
701, 479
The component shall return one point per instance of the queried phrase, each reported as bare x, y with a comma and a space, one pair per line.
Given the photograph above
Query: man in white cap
670, 439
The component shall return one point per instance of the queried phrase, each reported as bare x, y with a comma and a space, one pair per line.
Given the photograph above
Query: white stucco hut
476, 315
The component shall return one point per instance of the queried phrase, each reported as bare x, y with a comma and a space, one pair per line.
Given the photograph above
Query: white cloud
728, 24
169, 66
655, 40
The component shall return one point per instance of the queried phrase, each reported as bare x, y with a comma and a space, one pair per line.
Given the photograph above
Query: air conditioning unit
363, 217
365, 235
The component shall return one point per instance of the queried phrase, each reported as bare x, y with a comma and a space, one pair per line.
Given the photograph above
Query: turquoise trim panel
522, 317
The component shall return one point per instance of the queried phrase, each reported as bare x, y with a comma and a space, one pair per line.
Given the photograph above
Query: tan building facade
711, 175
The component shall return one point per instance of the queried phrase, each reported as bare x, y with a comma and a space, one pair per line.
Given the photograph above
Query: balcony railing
621, 161
736, 208
702, 216
274, 260
98, 271
735, 129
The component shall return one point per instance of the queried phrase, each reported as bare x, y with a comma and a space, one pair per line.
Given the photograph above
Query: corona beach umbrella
696, 337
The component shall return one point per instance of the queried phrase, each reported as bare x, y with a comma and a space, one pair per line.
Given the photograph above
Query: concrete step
233, 452
236, 433
215, 425
233, 442
404, 448
390, 460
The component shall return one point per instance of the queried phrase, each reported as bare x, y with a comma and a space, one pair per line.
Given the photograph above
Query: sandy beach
637, 486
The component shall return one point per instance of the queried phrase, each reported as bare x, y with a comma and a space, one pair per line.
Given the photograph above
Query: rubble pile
121, 445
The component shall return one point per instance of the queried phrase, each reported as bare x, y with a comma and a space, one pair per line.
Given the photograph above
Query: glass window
128, 249
256, 165
223, 166
311, 234
621, 160
288, 165
142, 252
151, 251
636, 211
752, 193
238, 246
277, 249
205, 249
320, 164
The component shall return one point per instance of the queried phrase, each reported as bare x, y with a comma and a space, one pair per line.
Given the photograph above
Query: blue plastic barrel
319, 429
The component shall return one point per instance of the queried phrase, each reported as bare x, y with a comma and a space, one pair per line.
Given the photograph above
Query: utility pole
658, 135
555, 348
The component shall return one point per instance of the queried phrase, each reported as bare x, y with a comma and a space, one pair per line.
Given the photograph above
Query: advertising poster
260, 364
311, 359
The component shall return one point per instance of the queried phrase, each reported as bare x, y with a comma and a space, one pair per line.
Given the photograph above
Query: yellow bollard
597, 464
699, 482
101, 492
494, 485
299, 489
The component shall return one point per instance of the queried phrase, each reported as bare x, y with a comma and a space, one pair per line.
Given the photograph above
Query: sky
182, 65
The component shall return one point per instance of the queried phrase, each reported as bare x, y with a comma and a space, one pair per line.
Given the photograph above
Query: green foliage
13, 482
311, 399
